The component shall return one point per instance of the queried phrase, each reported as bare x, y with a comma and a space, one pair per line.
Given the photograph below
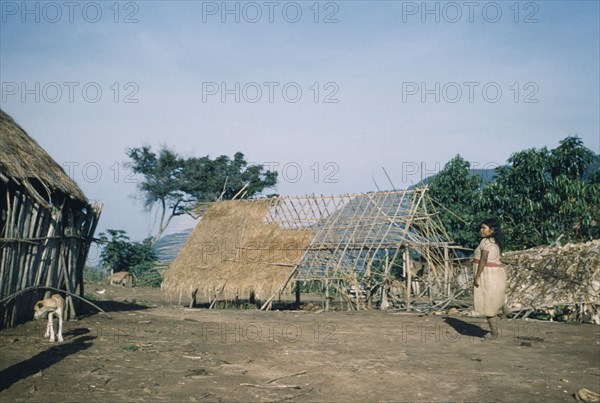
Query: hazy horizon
326, 93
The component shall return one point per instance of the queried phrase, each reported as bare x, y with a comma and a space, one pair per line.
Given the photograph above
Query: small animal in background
53, 305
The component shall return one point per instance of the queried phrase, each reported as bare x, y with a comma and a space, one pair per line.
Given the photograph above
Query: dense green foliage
453, 188
138, 258
176, 184
541, 197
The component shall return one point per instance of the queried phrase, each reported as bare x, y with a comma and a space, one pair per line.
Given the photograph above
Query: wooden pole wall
41, 245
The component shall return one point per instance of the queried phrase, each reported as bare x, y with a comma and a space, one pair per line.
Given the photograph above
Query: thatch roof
234, 251
120, 276
548, 276
25, 162
258, 246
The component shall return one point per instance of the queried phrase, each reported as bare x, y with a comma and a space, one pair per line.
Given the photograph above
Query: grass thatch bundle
550, 276
233, 252
23, 160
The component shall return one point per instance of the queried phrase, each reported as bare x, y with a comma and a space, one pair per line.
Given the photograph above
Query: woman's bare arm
482, 261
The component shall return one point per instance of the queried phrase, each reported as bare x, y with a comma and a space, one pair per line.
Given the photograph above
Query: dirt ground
153, 350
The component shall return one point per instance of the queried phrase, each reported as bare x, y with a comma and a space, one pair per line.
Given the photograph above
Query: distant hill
592, 168
167, 247
487, 175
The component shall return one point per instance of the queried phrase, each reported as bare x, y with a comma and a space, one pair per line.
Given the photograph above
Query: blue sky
411, 92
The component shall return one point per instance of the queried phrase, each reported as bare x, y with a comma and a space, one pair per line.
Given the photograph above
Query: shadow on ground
42, 361
464, 328
116, 306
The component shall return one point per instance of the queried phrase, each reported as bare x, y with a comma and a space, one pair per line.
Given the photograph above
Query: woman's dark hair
498, 236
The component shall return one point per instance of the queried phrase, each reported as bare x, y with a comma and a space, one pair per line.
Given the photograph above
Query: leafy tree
204, 179
115, 254
161, 183
454, 189
542, 196
594, 178
119, 254
177, 184
516, 197
570, 158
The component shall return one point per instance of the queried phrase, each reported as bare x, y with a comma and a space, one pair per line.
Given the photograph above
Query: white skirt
489, 297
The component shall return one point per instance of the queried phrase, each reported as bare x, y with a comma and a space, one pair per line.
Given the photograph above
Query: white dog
53, 305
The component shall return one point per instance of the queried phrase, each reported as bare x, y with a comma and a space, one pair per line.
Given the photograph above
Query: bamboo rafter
342, 240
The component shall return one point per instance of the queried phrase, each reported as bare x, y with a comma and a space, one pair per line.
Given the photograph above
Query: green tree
177, 184
542, 197
516, 197
204, 179
119, 254
454, 188
594, 178
115, 253
162, 182
570, 158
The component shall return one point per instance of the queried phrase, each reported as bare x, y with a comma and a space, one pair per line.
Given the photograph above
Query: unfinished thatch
46, 225
550, 276
233, 252
339, 241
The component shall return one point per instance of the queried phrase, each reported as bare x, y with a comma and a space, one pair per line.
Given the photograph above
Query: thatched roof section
549, 276
25, 162
120, 276
263, 246
235, 251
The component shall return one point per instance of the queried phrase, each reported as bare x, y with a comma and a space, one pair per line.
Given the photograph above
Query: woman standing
490, 277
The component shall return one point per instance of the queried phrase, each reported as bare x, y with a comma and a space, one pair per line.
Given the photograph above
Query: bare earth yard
152, 350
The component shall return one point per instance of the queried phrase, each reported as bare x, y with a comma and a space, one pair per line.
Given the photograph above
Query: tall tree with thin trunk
177, 184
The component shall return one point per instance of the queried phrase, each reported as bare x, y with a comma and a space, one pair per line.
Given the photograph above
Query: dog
53, 305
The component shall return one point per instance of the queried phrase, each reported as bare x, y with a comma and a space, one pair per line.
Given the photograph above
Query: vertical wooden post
326, 295
368, 282
406, 265
297, 293
385, 284
447, 271
429, 282
193, 301
403, 266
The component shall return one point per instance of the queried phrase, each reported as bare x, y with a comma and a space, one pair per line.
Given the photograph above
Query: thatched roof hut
46, 225
264, 246
122, 278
